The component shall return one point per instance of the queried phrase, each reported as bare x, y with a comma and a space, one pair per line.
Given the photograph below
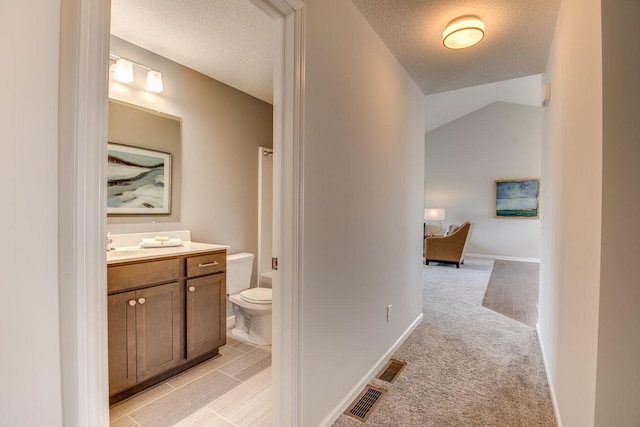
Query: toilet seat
257, 295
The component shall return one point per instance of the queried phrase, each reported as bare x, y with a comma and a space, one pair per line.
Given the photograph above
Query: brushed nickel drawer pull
132, 302
208, 264
192, 288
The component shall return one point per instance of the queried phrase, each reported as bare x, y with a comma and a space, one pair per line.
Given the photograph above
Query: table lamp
434, 214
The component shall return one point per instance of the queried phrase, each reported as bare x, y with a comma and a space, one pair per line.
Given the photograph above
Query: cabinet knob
141, 301
192, 288
131, 302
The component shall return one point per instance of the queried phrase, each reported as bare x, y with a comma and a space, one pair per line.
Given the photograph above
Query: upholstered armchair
450, 248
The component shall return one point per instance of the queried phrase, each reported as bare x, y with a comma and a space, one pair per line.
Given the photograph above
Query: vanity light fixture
123, 71
154, 81
463, 32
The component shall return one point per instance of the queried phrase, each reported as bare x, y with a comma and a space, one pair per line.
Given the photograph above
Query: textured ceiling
517, 38
228, 40
232, 40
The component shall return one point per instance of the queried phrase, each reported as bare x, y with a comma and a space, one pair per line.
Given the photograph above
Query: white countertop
127, 246
135, 253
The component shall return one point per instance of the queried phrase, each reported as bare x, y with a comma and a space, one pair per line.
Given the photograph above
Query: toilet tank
266, 279
239, 268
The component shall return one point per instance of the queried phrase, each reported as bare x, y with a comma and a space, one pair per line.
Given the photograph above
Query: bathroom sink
120, 253
135, 252
130, 251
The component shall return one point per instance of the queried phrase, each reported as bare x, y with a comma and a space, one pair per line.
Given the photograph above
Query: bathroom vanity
166, 312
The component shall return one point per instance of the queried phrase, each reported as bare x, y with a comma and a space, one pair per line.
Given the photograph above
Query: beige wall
30, 356
221, 130
363, 200
464, 158
572, 200
618, 378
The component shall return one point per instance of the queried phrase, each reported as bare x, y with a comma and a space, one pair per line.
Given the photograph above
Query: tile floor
231, 390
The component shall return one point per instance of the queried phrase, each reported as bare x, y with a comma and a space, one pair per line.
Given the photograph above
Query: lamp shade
434, 214
154, 81
463, 32
124, 71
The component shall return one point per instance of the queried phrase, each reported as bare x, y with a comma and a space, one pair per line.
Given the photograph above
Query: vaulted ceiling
232, 40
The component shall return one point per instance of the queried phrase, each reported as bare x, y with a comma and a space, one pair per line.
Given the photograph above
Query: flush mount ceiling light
463, 32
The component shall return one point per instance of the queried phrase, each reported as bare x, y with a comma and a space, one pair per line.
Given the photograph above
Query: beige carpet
466, 365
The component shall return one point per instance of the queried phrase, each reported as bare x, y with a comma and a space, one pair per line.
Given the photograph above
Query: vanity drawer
121, 277
206, 264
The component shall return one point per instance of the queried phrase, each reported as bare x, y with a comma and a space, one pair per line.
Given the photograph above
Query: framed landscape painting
138, 181
518, 198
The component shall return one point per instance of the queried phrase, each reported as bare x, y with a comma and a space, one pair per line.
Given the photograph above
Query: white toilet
251, 306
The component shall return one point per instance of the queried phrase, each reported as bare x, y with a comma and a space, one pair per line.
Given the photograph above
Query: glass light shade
154, 81
124, 71
434, 214
464, 32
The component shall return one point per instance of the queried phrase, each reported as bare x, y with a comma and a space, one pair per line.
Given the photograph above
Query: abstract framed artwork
138, 181
518, 198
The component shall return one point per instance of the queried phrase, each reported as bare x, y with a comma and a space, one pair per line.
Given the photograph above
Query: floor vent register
365, 403
392, 371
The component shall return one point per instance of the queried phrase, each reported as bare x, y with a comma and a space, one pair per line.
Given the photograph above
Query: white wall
30, 359
618, 378
572, 200
464, 158
442, 108
222, 129
363, 186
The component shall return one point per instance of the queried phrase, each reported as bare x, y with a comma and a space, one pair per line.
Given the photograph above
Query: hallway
466, 364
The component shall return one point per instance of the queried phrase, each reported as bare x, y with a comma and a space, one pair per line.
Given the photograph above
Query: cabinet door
206, 306
121, 312
159, 315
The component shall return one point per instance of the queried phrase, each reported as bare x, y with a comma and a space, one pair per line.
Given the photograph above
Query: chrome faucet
109, 242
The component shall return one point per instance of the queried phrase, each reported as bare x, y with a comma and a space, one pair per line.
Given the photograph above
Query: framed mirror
144, 165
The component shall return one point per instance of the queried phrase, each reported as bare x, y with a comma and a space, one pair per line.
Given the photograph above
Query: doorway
83, 95
265, 213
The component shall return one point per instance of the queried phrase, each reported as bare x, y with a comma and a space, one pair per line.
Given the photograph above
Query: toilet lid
257, 295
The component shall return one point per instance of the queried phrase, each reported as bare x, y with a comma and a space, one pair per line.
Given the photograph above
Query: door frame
84, 54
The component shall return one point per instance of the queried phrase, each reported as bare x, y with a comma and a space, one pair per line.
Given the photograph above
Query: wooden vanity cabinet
122, 341
205, 288
144, 334
159, 325
157, 329
205, 315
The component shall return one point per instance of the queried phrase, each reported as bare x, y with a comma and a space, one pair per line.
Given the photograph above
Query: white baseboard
344, 403
552, 389
506, 258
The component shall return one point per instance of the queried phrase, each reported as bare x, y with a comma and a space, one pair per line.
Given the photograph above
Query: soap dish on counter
160, 242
